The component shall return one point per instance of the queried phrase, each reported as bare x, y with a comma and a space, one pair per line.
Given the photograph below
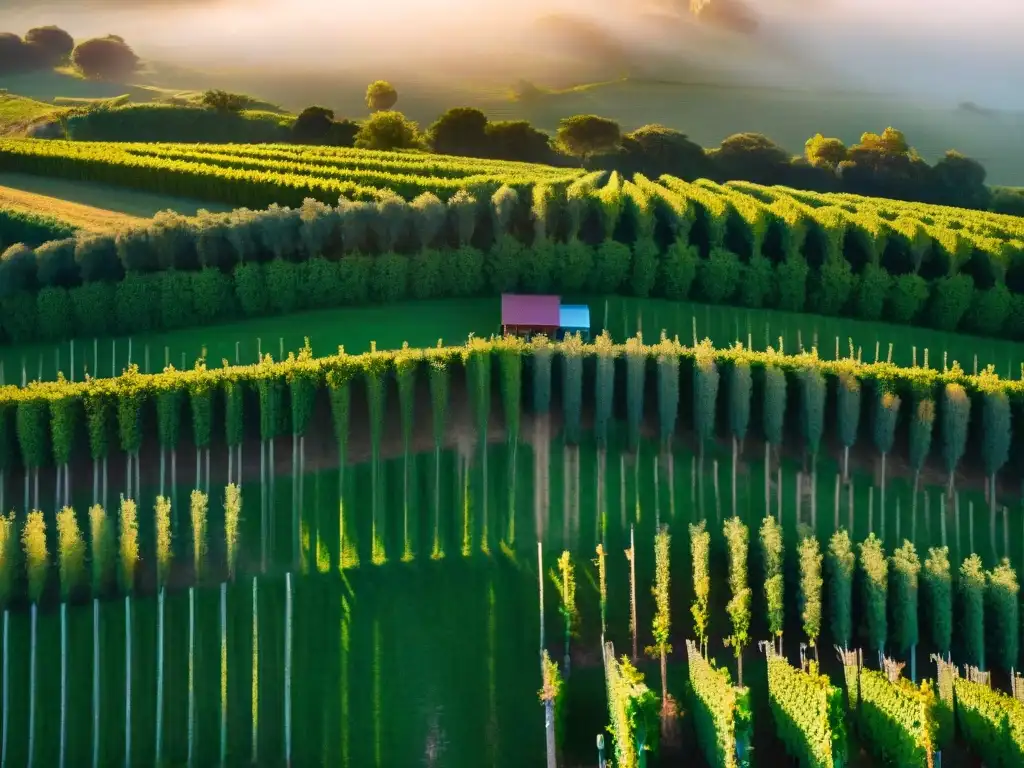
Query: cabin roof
574, 316
532, 311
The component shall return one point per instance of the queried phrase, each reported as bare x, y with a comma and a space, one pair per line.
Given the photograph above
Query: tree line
879, 165
41, 48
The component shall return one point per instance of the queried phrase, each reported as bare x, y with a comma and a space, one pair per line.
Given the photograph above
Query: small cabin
523, 315
573, 319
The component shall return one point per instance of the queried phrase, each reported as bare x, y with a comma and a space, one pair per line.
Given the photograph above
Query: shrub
832, 286
177, 306
354, 279
519, 141
55, 263
212, 295
388, 130
313, 125
19, 315
586, 135
791, 283
700, 553
137, 301
225, 101
251, 289
611, 267
719, 276
645, 267
988, 310
679, 269
321, 284
17, 270
907, 295
389, 278
871, 292
951, 298
574, 265
54, 313
37, 556
810, 589
283, 279
737, 537
539, 262
90, 309
757, 282
502, 264
459, 131
97, 258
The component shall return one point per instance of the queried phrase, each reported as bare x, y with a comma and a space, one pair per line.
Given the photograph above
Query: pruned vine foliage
632, 707
46, 424
808, 713
722, 713
899, 720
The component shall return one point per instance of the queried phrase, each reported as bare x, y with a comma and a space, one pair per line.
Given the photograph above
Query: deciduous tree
381, 96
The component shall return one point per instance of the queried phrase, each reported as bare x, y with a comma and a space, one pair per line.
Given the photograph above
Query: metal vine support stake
631, 554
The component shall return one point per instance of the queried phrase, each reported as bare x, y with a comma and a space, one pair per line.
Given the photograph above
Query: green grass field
421, 324
424, 323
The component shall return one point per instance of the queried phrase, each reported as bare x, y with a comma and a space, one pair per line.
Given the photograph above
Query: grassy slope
101, 199
86, 217
44, 93
49, 85
17, 112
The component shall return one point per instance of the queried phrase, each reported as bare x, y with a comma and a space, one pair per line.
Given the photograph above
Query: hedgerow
991, 723
133, 392
808, 713
898, 719
632, 707
33, 229
353, 237
722, 715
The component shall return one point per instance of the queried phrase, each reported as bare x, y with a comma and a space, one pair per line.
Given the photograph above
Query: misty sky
950, 50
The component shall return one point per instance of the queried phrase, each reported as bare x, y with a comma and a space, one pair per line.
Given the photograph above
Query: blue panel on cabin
574, 316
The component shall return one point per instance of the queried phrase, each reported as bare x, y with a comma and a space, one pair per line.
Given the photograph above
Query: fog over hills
943, 51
